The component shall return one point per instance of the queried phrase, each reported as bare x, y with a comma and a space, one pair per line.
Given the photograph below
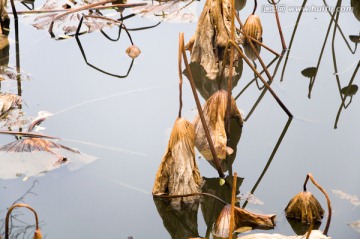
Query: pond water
126, 123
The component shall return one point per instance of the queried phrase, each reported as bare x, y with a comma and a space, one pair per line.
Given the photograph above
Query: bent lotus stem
310, 176
279, 26
255, 7
198, 105
7, 219
262, 44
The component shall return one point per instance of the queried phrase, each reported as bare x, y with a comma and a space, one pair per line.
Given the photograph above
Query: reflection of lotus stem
233, 195
263, 81
201, 114
180, 77
309, 175
190, 195
8, 217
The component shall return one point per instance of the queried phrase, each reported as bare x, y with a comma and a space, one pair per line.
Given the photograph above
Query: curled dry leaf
178, 173
214, 113
133, 51
9, 101
305, 207
212, 34
253, 27
243, 220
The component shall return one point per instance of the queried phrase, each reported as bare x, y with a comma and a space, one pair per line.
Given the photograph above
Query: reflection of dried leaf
354, 38
32, 156
214, 113
309, 72
349, 90
10, 73
249, 52
9, 101
355, 225
305, 207
315, 234
242, 218
353, 199
178, 173
355, 4
14, 119
175, 11
133, 51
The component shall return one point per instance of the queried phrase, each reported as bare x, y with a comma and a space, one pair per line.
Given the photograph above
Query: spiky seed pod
253, 27
305, 207
178, 173
214, 113
133, 51
355, 4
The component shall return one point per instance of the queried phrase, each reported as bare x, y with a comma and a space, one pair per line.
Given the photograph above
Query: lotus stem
262, 79
310, 176
201, 114
279, 26
180, 77
14, 9
7, 219
262, 44
255, 7
232, 214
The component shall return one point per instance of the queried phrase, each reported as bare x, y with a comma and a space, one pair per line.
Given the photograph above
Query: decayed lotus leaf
355, 4
178, 173
253, 27
305, 207
133, 51
8, 101
242, 219
214, 113
212, 34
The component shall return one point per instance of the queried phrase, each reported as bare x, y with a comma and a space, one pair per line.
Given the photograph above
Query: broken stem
201, 114
309, 176
9, 213
180, 77
233, 195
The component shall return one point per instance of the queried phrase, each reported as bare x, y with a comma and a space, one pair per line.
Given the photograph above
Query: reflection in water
20, 228
181, 224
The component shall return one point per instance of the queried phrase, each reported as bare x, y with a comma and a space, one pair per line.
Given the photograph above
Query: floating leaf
33, 156
133, 51
178, 173
9, 101
305, 207
353, 199
349, 90
309, 72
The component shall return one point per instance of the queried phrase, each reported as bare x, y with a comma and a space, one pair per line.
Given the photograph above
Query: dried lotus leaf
178, 173
214, 113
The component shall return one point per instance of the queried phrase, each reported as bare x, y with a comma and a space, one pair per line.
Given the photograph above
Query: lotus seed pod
133, 51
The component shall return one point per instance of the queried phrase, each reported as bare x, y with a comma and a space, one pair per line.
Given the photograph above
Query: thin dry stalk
198, 105
279, 26
180, 76
233, 194
262, 79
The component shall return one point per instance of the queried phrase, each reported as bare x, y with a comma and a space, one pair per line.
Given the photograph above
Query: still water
125, 122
